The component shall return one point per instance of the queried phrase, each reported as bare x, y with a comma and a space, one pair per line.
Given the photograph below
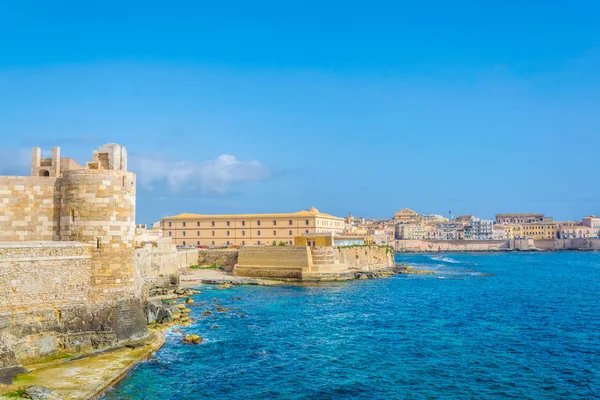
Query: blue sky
362, 107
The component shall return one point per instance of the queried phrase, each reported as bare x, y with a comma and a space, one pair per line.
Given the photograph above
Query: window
198, 243
258, 223
169, 233
198, 223
291, 223
243, 233
228, 243
197, 233
72, 216
227, 223
183, 233
213, 223
307, 231
259, 242
213, 233
274, 223
97, 243
227, 233
258, 233
243, 243
243, 223
184, 242
306, 222
274, 233
291, 243
213, 242
290, 233
169, 224
184, 224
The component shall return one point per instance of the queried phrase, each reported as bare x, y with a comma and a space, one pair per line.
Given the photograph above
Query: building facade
593, 222
248, 229
506, 219
540, 231
575, 232
481, 229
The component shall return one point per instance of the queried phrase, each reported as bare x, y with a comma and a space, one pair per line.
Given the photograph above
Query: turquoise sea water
497, 326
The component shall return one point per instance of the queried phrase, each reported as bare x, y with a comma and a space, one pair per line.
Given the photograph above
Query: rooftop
312, 212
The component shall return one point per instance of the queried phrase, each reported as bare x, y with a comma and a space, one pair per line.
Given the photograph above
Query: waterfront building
506, 219
331, 239
481, 229
593, 222
514, 231
411, 232
248, 229
406, 216
540, 230
575, 232
499, 232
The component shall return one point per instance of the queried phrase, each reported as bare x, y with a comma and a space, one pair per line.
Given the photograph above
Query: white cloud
212, 176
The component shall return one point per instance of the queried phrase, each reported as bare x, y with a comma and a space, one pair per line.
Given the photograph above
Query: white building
482, 229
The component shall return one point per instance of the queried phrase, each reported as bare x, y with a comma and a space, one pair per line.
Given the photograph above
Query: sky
270, 106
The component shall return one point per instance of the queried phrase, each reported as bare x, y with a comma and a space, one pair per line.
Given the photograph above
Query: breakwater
428, 246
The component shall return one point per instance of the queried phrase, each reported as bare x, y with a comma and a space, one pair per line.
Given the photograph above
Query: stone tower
98, 207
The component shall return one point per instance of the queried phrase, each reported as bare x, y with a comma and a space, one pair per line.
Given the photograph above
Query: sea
485, 326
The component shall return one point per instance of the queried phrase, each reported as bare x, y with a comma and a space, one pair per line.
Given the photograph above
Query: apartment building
248, 229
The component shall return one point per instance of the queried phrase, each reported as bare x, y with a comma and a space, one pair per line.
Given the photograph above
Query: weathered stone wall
45, 305
225, 259
29, 208
366, 258
310, 263
187, 258
46, 274
159, 263
98, 207
496, 245
451, 245
557, 244
273, 262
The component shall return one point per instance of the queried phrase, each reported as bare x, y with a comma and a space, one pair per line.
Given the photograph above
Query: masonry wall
366, 258
45, 306
273, 262
451, 245
29, 208
44, 275
560, 244
98, 207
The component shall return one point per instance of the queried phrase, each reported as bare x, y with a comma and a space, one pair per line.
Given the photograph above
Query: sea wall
30, 208
496, 245
556, 244
310, 263
273, 262
159, 262
366, 258
451, 245
225, 259
45, 305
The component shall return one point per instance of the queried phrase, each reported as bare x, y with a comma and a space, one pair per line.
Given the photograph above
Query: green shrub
17, 394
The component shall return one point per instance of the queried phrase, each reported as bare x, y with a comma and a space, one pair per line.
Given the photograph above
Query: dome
313, 210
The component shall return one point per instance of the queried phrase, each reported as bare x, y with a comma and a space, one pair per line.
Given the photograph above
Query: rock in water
189, 300
192, 339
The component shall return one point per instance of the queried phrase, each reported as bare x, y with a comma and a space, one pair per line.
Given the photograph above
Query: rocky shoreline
42, 380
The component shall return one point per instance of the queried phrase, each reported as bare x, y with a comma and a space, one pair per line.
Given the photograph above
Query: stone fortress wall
311, 263
426, 246
68, 279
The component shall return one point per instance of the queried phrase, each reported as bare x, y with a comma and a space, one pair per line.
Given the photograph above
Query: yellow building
248, 229
540, 230
411, 232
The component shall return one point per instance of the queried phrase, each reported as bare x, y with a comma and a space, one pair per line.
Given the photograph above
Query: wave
445, 259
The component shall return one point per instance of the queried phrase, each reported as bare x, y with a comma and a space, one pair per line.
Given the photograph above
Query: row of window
228, 223
291, 233
229, 243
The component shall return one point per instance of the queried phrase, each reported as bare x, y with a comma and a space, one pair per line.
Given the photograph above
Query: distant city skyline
261, 108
